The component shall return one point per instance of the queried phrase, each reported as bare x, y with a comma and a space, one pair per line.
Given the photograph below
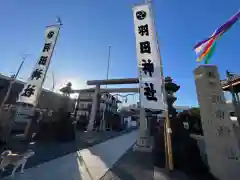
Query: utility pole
108, 61
12, 81
102, 123
53, 81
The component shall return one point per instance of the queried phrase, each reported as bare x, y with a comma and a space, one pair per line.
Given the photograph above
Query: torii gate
143, 141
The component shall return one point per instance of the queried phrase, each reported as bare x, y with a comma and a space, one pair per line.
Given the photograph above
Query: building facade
47, 100
107, 103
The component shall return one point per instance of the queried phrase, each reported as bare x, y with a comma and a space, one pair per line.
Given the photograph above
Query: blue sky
90, 26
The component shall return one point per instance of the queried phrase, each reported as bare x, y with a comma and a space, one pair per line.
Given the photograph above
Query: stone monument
222, 148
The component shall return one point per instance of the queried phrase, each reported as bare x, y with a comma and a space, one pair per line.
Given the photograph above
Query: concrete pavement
140, 166
132, 166
113, 159
87, 164
47, 151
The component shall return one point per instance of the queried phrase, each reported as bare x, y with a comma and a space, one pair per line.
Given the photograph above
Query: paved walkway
140, 166
132, 166
113, 159
87, 164
47, 151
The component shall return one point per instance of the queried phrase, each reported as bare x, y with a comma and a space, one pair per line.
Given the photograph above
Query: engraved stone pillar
221, 143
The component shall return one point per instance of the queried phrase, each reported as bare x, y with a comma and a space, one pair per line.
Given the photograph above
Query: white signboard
34, 84
151, 82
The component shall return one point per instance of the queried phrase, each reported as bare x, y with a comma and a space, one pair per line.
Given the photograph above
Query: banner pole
26, 131
168, 140
59, 23
167, 123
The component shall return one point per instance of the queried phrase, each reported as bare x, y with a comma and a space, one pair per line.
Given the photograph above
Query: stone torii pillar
94, 108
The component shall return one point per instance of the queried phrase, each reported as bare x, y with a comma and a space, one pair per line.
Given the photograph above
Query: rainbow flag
205, 48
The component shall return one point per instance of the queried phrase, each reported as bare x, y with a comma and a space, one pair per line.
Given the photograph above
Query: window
232, 114
81, 105
89, 106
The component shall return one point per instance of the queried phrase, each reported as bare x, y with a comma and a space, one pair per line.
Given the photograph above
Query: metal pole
108, 61
53, 85
104, 111
12, 81
20, 67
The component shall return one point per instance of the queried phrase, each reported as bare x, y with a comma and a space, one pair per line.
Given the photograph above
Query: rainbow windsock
205, 48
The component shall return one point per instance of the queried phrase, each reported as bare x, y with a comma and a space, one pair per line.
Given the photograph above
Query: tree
67, 90
193, 118
195, 111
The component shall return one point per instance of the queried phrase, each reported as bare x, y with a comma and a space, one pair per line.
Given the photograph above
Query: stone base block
143, 144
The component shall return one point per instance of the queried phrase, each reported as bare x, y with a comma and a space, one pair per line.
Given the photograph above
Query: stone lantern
171, 88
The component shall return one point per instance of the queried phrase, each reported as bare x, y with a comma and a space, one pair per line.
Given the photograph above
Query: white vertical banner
34, 84
150, 80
